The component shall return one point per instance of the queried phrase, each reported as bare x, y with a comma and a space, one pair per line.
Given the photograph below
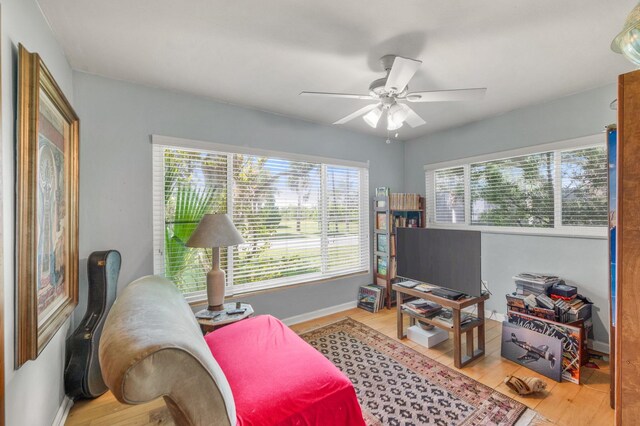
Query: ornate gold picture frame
46, 207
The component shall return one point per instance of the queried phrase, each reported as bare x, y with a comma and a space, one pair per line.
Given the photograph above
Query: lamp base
215, 289
215, 308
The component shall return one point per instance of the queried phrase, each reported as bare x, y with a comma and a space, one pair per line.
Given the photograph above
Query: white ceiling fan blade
447, 95
413, 119
356, 114
336, 95
401, 72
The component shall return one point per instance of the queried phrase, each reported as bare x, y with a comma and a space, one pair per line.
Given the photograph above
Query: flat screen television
443, 257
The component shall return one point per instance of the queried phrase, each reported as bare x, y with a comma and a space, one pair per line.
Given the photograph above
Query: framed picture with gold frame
46, 207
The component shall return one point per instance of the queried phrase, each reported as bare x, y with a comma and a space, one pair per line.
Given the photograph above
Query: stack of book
549, 298
446, 316
371, 297
530, 283
421, 307
404, 201
579, 308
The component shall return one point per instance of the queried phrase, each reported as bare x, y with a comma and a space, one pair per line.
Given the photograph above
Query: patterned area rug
398, 386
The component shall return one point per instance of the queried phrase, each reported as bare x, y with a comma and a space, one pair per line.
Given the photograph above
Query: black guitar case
82, 376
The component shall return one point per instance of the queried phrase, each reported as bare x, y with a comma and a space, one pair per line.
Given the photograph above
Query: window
449, 195
515, 191
302, 219
192, 183
561, 189
584, 187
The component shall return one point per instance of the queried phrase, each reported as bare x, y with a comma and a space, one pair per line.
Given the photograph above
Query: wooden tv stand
459, 359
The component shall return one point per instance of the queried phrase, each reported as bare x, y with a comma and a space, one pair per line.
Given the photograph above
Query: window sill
201, 300
600, 233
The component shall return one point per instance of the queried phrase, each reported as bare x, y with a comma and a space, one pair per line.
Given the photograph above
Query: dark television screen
446, 258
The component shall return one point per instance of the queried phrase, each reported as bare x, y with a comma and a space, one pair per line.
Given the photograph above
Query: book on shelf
408, 221
445, 315
382, 243
382, 191
382, 265
393, 270
399, 201
422, 307
381, 221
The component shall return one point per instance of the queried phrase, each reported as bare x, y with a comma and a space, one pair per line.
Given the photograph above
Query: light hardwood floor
562, 403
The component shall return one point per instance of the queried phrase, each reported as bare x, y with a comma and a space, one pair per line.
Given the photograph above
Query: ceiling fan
391, 92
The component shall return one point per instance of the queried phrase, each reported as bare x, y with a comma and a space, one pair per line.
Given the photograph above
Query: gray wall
579, 260
35, 391
117, 120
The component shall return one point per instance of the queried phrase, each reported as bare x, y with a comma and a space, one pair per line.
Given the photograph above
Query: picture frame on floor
46, 207
570, 335
533, 350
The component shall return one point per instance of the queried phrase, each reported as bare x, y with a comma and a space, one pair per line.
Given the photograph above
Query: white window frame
229, 150
600, 232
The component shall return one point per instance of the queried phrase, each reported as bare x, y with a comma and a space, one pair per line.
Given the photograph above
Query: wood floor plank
604, 414
562, 403
582, 408
558, 401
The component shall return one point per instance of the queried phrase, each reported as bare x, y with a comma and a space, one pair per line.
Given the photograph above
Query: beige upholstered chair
152, 346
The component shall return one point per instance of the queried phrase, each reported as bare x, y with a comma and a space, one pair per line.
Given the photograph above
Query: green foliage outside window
276, 208
584, 187
513, 192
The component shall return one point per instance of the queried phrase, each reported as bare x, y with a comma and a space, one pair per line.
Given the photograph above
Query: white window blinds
514, 192
561, 189
346, 228
276, 209
584, 187
301, 220
449, 195
189, 184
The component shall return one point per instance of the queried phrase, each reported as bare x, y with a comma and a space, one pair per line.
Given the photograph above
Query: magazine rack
459, 359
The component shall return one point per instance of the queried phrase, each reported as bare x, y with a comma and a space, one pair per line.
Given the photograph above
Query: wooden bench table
459, 359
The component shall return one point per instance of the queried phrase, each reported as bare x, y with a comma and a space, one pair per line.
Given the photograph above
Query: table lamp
215, 231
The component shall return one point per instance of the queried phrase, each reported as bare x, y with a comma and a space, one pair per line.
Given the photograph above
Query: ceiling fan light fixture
396, 116
628, 41
373, 116
387, 91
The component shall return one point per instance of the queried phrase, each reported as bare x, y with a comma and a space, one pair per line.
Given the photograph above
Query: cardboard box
427, 338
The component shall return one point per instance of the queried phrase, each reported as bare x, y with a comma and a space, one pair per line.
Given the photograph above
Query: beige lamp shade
215, 230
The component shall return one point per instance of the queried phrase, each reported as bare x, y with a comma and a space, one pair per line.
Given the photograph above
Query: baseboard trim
319, 313
63, 412
497, 316
599, 346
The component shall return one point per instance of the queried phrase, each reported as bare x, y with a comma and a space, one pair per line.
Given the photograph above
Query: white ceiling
261, 54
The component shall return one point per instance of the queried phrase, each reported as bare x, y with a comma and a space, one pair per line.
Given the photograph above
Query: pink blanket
278, 379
